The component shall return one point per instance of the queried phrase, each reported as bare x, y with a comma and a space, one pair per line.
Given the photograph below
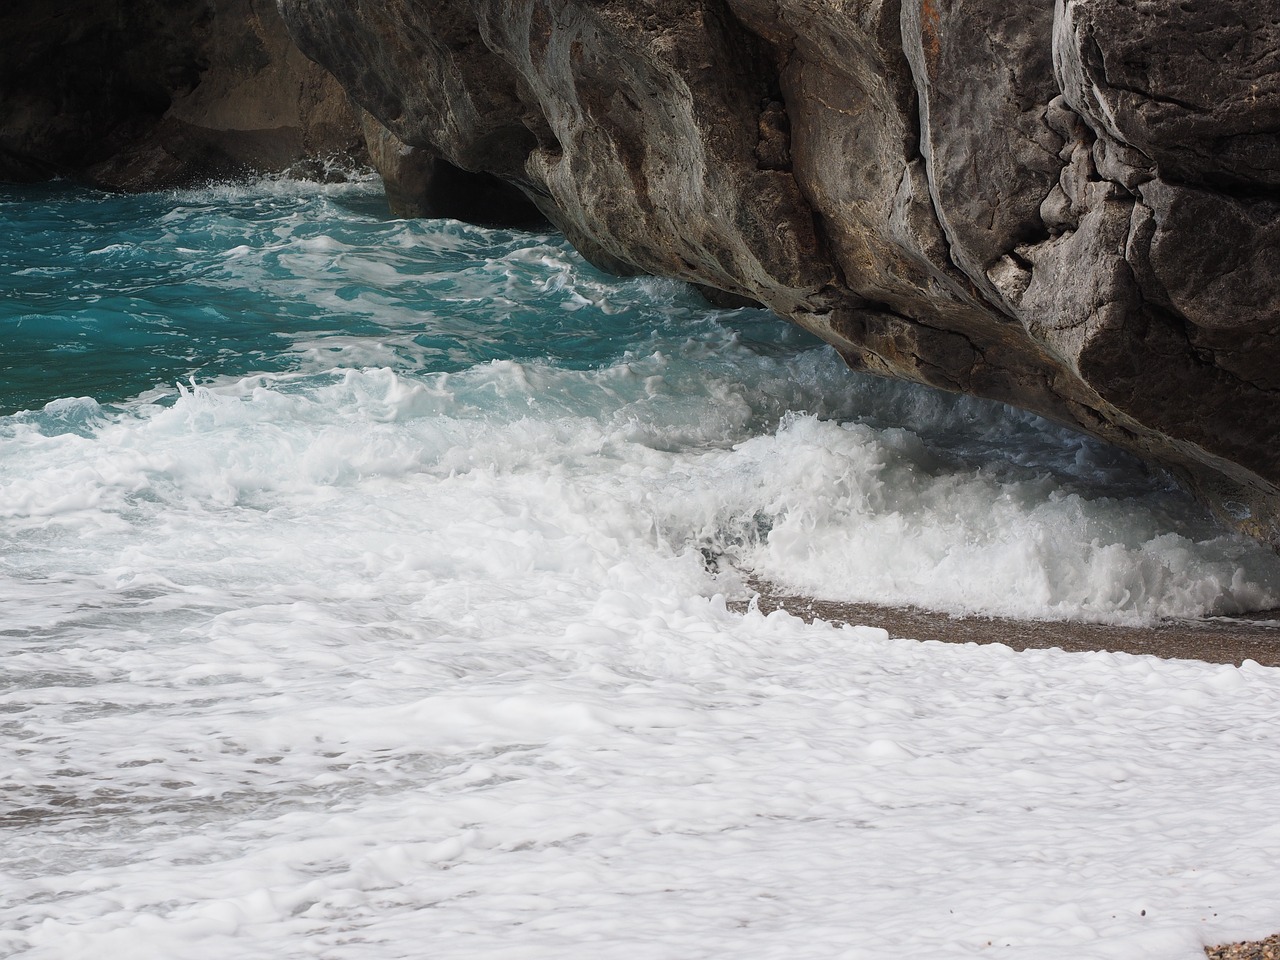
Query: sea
377, 588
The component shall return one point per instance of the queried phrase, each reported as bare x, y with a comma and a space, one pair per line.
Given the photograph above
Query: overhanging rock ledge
1071, 206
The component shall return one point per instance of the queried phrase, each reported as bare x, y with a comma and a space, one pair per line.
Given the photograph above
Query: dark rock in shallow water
1070, 207
142, 94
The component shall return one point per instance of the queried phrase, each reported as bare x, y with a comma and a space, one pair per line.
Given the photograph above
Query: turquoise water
367, 584
110, 295
118, 308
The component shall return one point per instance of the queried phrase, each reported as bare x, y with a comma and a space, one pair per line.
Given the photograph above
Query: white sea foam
347, 665
420, 657
841, 510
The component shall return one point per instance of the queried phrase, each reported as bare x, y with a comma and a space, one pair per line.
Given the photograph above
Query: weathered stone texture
1069, 205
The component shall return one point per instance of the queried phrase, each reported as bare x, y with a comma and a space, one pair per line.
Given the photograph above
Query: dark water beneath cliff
313, 521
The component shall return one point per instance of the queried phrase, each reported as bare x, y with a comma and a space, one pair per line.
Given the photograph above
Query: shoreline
1218, 640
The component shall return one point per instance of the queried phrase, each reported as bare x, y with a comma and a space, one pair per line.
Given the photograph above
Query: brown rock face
143, 94
1070, 206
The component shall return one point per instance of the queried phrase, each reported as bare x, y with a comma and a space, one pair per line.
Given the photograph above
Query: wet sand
1216, 640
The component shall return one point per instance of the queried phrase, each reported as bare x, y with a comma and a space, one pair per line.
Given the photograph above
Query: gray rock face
1070, 206
143, 94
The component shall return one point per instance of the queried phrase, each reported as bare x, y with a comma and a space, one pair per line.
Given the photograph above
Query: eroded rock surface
144, 94
1068, 206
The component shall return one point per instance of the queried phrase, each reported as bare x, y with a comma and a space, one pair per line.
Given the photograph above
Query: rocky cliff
140, 94
1070, 207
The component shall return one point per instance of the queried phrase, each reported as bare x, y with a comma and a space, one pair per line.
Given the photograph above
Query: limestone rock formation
142, 94
1067, 206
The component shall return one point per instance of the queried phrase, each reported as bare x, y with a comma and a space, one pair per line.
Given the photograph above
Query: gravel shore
1216, 640
1268, 949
